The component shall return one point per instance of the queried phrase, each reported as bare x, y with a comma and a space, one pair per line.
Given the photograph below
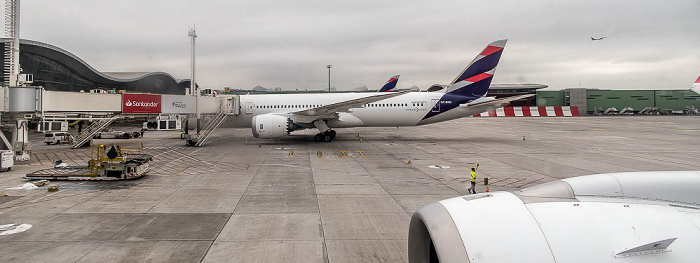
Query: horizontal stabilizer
496, 102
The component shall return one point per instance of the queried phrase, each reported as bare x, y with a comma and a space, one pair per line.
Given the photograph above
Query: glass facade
56, 69
55, 76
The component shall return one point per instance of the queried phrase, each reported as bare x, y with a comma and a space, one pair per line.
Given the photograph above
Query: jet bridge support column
22, 146
15, 137
7, 133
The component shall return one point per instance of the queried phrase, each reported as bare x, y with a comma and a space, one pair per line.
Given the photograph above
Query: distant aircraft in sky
696, 86
594, 39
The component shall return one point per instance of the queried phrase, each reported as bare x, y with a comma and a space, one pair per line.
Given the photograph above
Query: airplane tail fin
475, 79
696, 86
391, 84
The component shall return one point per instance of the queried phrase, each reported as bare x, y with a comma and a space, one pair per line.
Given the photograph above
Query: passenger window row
286, 106
393, 105
372, 105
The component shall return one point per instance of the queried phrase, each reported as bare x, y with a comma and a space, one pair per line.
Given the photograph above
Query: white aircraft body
619, 217
277, 115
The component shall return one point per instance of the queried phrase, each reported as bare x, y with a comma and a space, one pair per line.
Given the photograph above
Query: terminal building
56, 69
508, 90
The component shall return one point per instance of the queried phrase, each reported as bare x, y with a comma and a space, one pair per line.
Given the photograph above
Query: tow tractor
117, 161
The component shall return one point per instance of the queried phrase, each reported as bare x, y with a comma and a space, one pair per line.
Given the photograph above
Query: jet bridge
19, 105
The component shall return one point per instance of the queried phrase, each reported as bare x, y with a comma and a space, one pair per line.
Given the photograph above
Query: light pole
329, 77
193, 84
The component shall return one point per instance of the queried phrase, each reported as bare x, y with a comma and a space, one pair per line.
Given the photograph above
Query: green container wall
677, 99
550, 98
620, 99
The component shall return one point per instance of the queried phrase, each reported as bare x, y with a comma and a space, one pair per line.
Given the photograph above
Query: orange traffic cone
487, 188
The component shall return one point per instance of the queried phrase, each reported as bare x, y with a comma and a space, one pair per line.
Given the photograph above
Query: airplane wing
496, 102
331, 110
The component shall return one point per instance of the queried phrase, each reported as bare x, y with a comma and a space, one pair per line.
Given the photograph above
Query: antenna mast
193, 35
193, 86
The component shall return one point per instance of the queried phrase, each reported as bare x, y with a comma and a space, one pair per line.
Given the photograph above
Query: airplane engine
271, 126
618, 217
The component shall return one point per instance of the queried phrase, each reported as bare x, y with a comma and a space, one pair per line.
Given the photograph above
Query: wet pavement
240, 199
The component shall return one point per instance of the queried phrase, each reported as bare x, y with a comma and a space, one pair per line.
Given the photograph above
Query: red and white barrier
565, 111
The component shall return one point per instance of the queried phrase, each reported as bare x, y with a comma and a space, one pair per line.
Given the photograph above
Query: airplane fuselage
409, 109
276, 115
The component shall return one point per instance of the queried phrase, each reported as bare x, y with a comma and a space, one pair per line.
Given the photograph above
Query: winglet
696, 86
475, 79
391, 84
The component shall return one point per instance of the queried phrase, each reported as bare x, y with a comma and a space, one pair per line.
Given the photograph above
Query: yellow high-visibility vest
473, 176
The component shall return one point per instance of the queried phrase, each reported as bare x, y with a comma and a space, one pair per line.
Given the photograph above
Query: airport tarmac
240, 199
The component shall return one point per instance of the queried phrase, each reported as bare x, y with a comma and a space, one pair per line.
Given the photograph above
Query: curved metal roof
153, 82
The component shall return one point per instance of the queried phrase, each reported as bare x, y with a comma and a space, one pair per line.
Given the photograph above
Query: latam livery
277, 115
391, 84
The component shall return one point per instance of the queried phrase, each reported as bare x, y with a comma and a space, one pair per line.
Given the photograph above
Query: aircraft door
436, 105
249, 107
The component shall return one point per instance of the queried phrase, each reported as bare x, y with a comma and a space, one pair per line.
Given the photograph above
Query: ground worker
473, 179
142, 130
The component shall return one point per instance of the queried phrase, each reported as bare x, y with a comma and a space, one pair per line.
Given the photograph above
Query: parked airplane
277, 115
391, 84
696, 86
618, 217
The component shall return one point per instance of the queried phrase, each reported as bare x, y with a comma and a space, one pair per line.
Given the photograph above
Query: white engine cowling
270, 126
617, 217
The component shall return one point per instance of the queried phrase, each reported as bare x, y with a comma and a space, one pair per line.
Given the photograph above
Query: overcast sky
649, 44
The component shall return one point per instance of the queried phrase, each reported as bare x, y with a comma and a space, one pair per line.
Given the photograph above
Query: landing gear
325, 136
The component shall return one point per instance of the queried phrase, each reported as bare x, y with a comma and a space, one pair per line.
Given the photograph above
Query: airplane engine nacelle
271, 126
630, 217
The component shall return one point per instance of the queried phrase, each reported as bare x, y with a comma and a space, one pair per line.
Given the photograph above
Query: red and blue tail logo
391, 84
475, 79
696, 86
473, 82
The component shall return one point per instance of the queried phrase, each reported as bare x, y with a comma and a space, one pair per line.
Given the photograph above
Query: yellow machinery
116, 161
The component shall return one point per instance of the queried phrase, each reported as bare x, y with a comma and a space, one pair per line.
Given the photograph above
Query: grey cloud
650, 44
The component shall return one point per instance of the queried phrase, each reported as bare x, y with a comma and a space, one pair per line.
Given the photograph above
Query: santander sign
141, 103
